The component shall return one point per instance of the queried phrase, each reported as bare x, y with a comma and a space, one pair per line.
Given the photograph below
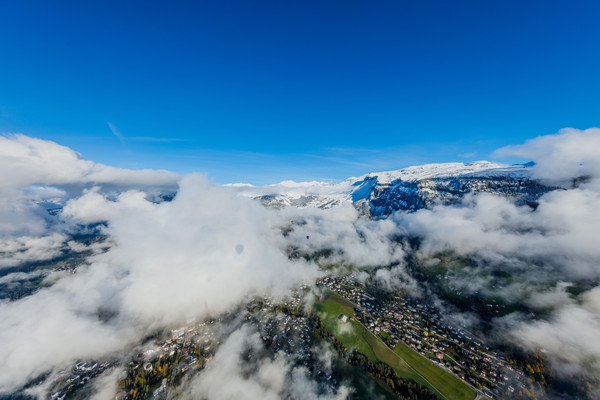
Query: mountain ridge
411, 188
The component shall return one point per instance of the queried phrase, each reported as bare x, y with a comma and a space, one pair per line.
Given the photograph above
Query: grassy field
406, 363
448, 384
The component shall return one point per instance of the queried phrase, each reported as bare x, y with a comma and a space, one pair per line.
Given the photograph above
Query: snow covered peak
294, 184
446, 170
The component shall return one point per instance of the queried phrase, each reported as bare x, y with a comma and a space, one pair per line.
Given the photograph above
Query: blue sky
261, 91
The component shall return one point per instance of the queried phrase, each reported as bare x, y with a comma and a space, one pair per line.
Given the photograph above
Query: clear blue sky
260, 91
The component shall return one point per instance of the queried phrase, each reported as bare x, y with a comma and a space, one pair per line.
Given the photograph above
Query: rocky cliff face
386, 198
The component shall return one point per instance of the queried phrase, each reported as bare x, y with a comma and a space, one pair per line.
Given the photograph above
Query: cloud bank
33, 170
569, 154
198, 255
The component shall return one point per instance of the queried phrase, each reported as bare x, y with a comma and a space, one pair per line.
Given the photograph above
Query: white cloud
230, 375
225, 377
352, 239
561, 231
48, 329
199, 255
106, 385
204, 251
26, 248
92, 206
571, 153
570, 335
27, 163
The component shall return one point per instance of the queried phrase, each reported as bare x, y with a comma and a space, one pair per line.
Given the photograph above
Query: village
283, 327
419, 325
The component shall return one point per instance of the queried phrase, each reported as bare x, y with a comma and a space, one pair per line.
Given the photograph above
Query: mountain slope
412, 188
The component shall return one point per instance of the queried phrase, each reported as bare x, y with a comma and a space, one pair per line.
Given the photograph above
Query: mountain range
382, 193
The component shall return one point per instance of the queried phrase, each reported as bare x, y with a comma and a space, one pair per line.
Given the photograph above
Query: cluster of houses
420, 326
70, 380
193, 344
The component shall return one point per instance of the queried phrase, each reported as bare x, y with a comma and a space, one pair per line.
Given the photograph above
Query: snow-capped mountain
412, 188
